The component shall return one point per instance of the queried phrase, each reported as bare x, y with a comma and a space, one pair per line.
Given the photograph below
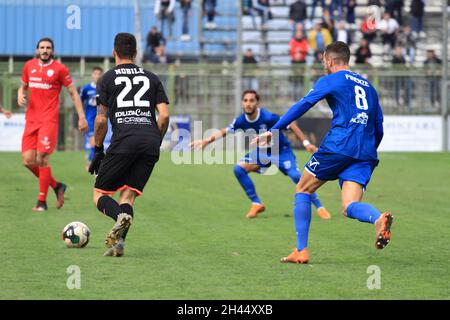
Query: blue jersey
357, 125
263, 122
87, 96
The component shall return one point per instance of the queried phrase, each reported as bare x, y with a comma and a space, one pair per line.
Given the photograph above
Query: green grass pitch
190, 239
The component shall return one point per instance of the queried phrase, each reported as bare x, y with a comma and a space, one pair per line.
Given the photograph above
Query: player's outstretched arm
202, 143
302, 137
163, 118
82, 123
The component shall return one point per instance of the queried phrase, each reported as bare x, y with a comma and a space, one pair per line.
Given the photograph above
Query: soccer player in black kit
129, 95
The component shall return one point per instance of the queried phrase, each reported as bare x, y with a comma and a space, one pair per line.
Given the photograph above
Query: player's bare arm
101, 125
22, 95
202, 143
82, 123
302, 137
163, 118
100, 130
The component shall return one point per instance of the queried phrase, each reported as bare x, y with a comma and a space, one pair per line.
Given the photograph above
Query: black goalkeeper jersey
131, 95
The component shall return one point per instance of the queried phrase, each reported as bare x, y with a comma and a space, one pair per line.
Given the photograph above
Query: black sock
109, 206
126, 208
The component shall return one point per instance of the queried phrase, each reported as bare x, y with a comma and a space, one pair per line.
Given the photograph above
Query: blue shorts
332, 166
285, 160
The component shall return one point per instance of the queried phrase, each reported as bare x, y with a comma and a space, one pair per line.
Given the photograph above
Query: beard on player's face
250, 110
45, 56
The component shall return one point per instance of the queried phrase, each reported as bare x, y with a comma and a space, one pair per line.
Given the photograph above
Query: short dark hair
125, 45
45, 39
97, 68
340, 49
251, 92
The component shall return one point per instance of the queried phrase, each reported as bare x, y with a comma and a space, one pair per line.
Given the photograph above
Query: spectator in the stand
185, 8
249, 57
298, 47
336, 4
351, 4
417, 11
247, 7
374, 3
319, 38
297, 13
408, 41
369, 28
433, 66
395, 7
160, 56
164, 11
363, 53
318, 57
398, 60
262, 7
249, 61
327, 20
342, 33
155, 40
322, 4
209, 8
389, 28
247, 10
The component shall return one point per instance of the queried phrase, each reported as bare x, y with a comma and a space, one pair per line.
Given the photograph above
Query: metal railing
208, 92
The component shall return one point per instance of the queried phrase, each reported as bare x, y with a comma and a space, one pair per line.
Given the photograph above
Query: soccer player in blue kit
348, 152
255, 118
87, 95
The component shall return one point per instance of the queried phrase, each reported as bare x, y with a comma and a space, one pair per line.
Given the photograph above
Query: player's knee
96, 196
344, 209
127, 199
29, 162
42, 159
303, 188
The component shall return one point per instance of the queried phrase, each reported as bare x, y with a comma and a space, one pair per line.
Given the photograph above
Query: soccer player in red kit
43, 76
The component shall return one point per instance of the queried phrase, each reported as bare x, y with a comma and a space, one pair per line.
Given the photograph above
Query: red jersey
44, 82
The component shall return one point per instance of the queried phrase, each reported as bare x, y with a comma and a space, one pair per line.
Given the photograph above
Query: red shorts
42, 137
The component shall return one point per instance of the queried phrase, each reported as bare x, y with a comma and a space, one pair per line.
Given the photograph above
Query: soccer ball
76, 235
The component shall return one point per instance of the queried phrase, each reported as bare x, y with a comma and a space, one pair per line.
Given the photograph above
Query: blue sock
295, 176
91, 154
316, 201
364, 212
302, 217
246, 183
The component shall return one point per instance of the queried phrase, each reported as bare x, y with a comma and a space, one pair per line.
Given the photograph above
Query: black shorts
124, 171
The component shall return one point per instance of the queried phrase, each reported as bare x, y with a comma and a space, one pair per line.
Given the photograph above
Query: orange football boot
383, 230
323, 213
299, 257
255, 209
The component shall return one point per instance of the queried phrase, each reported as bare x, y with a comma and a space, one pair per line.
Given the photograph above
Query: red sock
35, 171
45, 174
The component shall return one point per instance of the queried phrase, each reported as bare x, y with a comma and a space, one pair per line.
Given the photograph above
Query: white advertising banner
11, 131
412, 133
